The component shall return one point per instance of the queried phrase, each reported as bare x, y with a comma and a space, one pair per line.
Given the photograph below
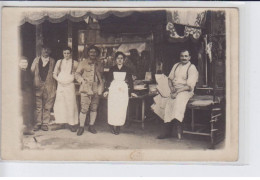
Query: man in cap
182, 80
45, 88
89, 74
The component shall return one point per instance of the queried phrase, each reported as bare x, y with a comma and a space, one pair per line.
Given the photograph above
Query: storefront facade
161, 34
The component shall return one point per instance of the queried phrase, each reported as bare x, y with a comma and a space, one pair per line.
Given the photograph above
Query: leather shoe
117, 130
73, 128
44, 128
80, 131
92, 129
37, 127
166, 131
112, 129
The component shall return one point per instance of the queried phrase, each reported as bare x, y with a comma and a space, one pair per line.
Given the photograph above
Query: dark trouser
44, 103
166, 129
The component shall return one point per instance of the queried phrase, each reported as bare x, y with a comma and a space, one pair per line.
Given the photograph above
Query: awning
54, 16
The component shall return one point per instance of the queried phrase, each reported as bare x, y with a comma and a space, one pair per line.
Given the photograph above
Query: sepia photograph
120, 84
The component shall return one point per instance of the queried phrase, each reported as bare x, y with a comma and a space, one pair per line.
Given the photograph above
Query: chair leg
192, 120
212, 133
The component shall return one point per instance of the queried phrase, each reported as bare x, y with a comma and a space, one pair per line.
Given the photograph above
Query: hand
133, 95
173, 90
173, 95
62, 83
68, 81
105, 94
82, 82
23, 64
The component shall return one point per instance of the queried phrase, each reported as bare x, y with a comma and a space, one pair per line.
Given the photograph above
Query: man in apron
89, 75
182, 80
45, 88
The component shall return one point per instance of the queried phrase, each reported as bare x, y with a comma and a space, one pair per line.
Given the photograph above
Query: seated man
182, 80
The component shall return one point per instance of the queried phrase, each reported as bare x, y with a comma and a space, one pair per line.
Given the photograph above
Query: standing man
182, 80
45, 88
89, 74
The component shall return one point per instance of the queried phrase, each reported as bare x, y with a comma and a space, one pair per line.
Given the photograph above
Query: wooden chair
214, 127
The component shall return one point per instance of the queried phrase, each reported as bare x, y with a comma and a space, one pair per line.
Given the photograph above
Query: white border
249, 87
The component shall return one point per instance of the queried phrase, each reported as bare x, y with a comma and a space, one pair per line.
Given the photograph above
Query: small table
142, 98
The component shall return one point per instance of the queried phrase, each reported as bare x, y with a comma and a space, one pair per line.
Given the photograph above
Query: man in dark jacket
45, 88
27, 96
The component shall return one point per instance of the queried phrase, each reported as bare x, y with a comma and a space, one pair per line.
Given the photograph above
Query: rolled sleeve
57, 67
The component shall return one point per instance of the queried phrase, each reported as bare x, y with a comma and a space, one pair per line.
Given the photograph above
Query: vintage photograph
122, 84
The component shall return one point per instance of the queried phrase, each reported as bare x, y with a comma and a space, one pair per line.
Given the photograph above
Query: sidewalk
133, 137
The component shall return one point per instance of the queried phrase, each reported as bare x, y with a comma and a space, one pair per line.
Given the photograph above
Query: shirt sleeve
56, 69
171, 75
192, 77
79, 71
109, 78
33, 65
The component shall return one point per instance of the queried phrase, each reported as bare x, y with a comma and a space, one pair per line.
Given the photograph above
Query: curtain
193, 20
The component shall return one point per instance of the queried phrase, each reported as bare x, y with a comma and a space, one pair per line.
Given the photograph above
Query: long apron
169, 109
65, 106
117, 103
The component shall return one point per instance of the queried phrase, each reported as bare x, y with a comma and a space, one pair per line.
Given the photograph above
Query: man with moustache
90, 76
181, 80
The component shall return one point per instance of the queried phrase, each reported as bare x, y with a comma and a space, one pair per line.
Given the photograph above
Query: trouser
44, 103
166, 128
88, 102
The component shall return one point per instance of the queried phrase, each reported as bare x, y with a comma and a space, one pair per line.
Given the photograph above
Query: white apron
169, 109
166, 107
65, 106
118, 100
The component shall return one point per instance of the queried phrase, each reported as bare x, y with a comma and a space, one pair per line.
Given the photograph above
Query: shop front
151, 38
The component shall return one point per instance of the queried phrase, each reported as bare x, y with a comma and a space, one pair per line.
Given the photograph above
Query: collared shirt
45, 61
184, 74
64, 65
89, 71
